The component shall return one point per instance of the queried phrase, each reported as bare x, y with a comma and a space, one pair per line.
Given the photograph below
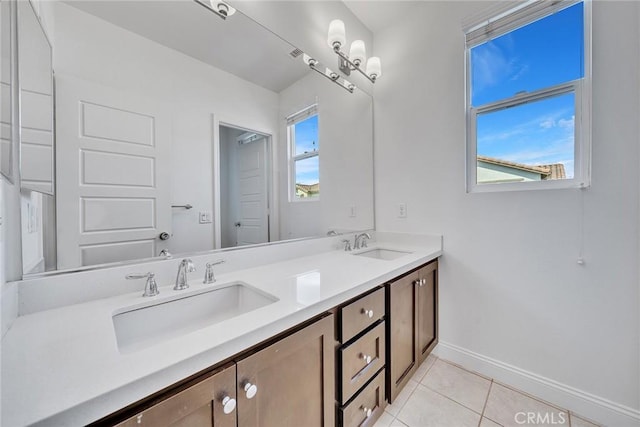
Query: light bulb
374, 68
337, 36
358, 52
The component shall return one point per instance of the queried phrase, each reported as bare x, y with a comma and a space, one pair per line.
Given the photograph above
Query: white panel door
113, 163
253, 222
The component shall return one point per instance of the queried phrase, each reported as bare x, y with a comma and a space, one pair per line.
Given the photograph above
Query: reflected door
113, 166
252, 225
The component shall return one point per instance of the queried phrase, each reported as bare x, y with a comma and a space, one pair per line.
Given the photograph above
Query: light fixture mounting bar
312, 65
352, 66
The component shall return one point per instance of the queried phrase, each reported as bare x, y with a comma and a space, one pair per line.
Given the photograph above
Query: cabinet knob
228, 404
250, 390
366, 358
368, 313
420, 282
367, 411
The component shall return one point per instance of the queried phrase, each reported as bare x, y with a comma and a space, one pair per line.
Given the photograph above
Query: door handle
237, 224
164, 236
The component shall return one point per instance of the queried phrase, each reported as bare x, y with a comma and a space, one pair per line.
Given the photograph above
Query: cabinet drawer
371, 398
355, 369
360, 314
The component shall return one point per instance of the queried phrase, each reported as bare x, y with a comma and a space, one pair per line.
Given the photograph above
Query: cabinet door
401, 358
292, 382
427, 297
196, 406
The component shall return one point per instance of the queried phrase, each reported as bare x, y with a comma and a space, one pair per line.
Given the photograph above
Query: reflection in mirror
6, 149
36, 102
36, 143
162, 105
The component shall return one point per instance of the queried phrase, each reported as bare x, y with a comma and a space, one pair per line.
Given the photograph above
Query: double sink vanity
309, 335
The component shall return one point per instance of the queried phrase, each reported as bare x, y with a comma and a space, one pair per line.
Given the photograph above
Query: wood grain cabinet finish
367, 407
199, 405
412, 324
294, 380
360, 314
361, 360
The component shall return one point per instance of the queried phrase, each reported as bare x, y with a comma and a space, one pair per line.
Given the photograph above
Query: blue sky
545, 53
307, 171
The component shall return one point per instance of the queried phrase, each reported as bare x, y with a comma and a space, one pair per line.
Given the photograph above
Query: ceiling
237, 45
380, 14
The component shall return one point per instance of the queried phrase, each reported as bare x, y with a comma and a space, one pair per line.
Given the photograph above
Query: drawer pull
368, 313
367, 411
365, 357
228, 404
250, 390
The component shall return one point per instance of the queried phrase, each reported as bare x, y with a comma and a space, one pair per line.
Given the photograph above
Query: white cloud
548, 123
567, 123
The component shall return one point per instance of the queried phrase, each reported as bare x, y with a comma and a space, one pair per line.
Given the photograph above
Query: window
304, 155
528, 91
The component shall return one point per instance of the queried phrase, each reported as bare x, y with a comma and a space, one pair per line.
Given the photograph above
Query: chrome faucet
361, 240
186, 266
151, 287
209, 277
347, 245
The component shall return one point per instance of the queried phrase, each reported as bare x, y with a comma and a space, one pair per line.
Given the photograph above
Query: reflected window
304, 157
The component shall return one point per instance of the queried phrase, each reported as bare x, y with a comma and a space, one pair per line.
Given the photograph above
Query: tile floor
442, 394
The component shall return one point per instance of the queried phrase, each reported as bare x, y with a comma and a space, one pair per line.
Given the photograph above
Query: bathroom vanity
322, 350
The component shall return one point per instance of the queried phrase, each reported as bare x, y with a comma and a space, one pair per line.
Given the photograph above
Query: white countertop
63, 367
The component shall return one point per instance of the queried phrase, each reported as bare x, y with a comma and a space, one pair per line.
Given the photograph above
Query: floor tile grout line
467, 370
451, 399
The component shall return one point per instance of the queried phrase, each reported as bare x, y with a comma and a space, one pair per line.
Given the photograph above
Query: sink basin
140, 327
381, 253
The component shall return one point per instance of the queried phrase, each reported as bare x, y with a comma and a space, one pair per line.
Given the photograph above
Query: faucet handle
209, 277
151, 287
347, 244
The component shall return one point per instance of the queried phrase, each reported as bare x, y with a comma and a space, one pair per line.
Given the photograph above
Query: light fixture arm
352, 66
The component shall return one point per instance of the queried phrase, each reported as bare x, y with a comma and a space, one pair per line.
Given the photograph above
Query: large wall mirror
177, 132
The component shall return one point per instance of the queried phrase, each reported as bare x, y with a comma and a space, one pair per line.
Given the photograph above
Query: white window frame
292, 120
500, 23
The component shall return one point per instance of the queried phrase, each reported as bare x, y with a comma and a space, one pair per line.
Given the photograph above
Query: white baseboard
584, 404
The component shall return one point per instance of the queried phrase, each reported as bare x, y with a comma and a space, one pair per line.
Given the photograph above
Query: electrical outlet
352, 211
205, 217
402, 210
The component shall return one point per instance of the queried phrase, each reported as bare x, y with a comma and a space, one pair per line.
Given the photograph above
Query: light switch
402, 210
205, 217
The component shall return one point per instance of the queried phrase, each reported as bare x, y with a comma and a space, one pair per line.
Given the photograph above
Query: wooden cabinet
412, 324
361, 360
291, 383
198, 405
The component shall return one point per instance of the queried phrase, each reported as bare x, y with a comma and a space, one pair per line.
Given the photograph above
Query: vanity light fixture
357, 53
328, 73
220, 8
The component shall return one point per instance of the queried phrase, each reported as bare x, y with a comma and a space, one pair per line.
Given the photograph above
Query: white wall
92, 49
345, 132
510, 287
